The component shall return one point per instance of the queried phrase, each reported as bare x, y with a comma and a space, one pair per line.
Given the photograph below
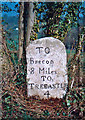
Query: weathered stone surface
46, 68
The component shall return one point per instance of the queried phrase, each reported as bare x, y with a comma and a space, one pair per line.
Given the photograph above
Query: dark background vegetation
64, 21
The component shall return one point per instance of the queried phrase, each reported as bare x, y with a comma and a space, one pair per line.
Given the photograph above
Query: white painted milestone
46, 68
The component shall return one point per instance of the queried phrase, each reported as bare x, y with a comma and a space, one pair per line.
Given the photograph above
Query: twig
7, 53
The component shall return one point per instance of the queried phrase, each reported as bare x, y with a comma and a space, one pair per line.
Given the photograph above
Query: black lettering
45, 86
36, 62
43, 77
51, 62
31, 61
65, 86
32, 71
54, 86
39, 62
47, 93
37, 86
41, 86
43, 61
47, 50
41, 70
50, 86
47, 62
49, 78
61, 85
31, 85
49, 71
57, 85
39, 48
53, 72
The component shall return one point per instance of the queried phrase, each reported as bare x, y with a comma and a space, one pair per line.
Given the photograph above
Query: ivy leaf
75, 101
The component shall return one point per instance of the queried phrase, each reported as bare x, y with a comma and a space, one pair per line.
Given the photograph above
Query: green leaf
63, 103
75, 101
64, 113
68, 104
82, 109
58, 114
69, 115
46, 113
